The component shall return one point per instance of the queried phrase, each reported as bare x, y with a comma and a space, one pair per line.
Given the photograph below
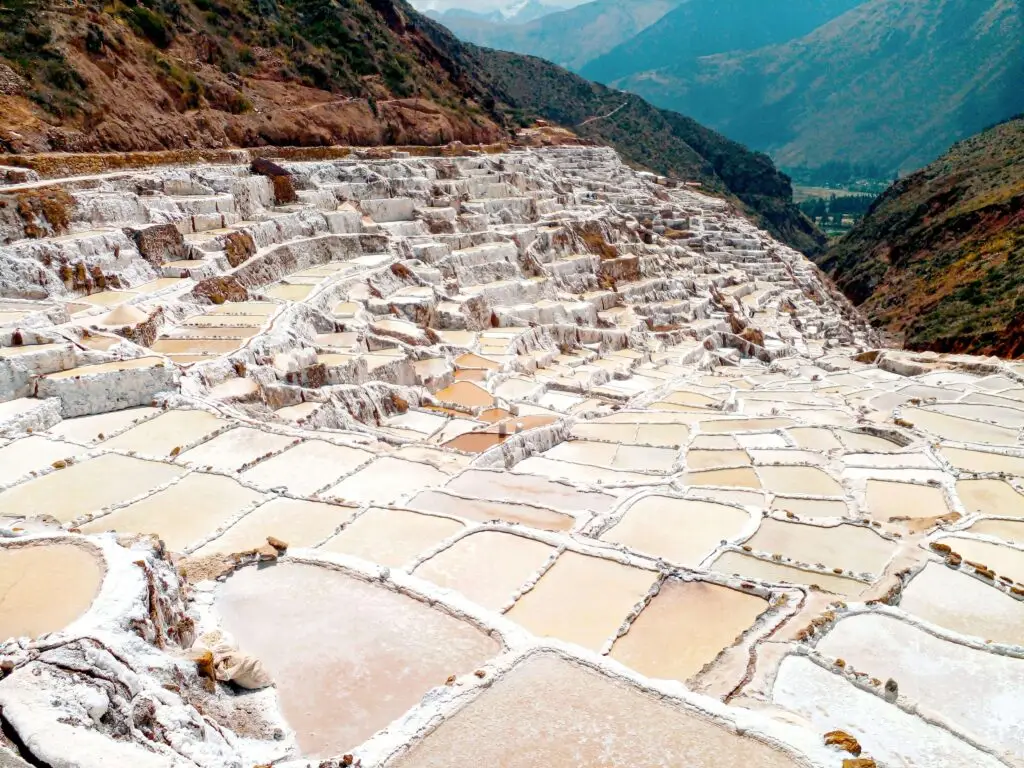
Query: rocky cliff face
939, 259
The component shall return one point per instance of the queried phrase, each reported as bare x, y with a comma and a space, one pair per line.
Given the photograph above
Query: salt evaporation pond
347, 656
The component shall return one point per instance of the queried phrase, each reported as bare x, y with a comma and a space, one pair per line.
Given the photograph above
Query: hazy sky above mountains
482, 5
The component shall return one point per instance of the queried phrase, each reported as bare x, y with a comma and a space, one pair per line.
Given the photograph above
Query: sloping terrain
939, 259
698, 28
569, 38
889, 83
659, 139
164, 74
395, 461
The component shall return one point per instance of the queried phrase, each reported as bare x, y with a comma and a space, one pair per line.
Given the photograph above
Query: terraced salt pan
118, 365
348, 657
487, 567
627, 457
230, 451
680, 531
296, 522
197, 347
554, 712
806, 481
815, 439
1008, 530
810, 508
685, 627
700, 460
978, 691
1005, 561
483, 510
391, 537
307, 467
46, 586
849, 547
91, 429
661, 435
982, 461
86, 487
990, 497
582, 599
964, 604
578, 473
963, 430
170, 430
31, 454
739, 478
183, 514
887, 500
385, 480
889, 735
729, 426
737, 564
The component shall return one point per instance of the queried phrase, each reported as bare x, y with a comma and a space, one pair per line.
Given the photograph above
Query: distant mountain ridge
698, 28
569, 38
889, 82
939, 259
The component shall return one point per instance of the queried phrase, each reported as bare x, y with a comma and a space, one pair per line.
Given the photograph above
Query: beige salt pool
699, 460
955, 428
685, 627
307, 467
385, 480
45, 586
487, 567
811, 507
995, 498
86, 486
806, 481
582, 599
983, 461
170, 430
815, 439
1004, 560
964, 604
740, 478
887, 500
31, 454
297, 523
230, 451
465, 394
391, 537
182, 515
483, 510
850, 547
728, 426
582, 718
532, 490
91, 429
1008, 530
348, 657
681, 531
736, 564
118, 365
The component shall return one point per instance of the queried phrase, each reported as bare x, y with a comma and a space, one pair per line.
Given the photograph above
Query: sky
482, 5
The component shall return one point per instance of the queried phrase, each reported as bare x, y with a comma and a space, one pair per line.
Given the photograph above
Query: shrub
151, 24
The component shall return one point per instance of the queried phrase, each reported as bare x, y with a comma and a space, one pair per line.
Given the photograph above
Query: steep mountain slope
569, 38
658, 139
892, 83
184, 73
698, 28
939, 258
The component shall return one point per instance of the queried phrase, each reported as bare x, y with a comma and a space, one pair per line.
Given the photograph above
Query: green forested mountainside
889, 83
664, 141
939, 259
569, 38
704, 27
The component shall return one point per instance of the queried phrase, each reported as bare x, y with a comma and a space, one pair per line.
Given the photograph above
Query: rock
844, 741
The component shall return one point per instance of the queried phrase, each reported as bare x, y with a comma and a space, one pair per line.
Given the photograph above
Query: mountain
171, 74
939, 259
517, 13
569, 38
183, 74
653, 138
698, 28
890, 83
